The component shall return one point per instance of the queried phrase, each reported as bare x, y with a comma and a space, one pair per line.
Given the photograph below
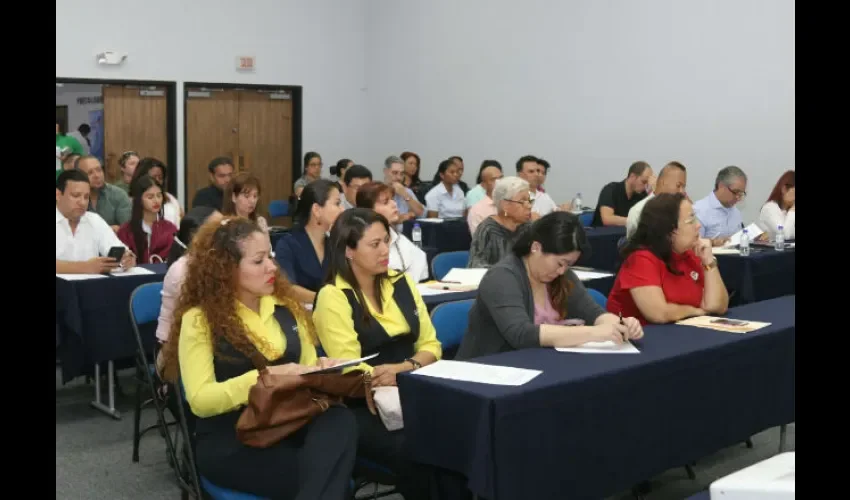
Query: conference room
589, 104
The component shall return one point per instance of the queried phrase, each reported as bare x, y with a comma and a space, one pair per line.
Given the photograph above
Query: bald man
484, 207
672, 179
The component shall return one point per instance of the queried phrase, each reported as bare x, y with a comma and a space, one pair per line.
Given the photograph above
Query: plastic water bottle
744, 246
416, 235
577, 203
779, 244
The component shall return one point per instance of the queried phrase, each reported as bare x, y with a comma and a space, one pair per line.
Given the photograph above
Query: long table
764, 274
592, 425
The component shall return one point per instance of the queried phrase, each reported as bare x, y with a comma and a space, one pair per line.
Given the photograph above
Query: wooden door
134, 118
212, 123
265, 142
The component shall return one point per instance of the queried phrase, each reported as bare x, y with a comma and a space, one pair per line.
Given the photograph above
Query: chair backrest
145, 302
278, 208
598, 297
446, 261
450, 320
586, 219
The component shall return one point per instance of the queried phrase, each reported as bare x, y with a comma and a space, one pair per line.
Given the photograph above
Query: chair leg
137, 417
690, 470
783, 429
749, 443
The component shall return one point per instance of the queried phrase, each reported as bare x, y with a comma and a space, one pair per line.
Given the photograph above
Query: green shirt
113, 205
66, 145
123, 185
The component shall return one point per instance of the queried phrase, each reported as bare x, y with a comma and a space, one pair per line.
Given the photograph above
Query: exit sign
246, 63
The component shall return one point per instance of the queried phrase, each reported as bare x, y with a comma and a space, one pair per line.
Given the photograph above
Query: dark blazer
298, 260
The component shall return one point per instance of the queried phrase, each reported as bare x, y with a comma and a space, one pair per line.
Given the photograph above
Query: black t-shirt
613, 195
209, 196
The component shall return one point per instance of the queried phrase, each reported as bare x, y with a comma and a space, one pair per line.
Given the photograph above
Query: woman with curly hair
235, 313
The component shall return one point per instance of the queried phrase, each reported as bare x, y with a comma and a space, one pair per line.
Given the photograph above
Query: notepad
479, 373
426, 289
753, 231
607, 347
80, 277
341, 366
133, 271
591, 275
468, 276
723, 324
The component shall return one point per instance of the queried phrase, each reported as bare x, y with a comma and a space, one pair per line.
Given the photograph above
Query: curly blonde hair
211, 284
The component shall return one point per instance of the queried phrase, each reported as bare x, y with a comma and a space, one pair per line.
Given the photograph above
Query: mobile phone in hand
116, 253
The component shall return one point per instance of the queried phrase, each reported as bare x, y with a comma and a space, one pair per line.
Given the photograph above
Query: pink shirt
547, 315
479, 212
170, 292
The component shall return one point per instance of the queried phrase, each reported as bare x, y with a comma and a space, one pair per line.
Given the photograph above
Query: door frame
170, 116
294, 90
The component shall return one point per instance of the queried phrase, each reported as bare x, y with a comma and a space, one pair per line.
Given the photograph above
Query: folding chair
450, 319
446, 261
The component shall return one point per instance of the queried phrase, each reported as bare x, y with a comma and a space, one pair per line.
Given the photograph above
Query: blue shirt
475, 195
298, 260
401, 203
716, 220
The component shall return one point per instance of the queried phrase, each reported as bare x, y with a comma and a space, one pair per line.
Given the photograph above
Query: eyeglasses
739, 193
528, 202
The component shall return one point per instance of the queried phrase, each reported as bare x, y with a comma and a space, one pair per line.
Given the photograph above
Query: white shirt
171, 210
93, 238
771, 216
406, 257
634, 215
543, 204
447, 206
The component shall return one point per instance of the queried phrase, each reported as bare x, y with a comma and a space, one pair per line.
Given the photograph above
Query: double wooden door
252, 127
134, 119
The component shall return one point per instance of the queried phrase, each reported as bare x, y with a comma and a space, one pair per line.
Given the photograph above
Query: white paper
425, 290
465, 276
133, 271
430, 219
591, 275
479, 373
353, 362
725, 251
607, 347
80, 277
753, 231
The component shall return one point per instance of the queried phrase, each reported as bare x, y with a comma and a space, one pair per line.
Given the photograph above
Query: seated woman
668, 272
147, 234
234, 305
301, 252
365, 309
533, 299
172, 211
405, 257
781, 208
177, 265
446, 200
495, 236
241, 197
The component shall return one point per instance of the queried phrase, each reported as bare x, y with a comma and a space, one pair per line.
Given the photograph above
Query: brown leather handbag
279, 405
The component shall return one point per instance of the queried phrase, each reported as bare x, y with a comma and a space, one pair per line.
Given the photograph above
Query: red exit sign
246, 63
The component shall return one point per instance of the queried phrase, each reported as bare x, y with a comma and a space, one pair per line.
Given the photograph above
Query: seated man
673, 178
484, 207
108, 201
221, 170
355, 176
83, 238
718, 216
617, 198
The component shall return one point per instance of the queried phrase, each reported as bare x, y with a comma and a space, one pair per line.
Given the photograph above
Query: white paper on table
465, 276
591, 275
425, 290
133, 271
477, 372
725, 251
80, 277
430, 219
753, 231
607, 347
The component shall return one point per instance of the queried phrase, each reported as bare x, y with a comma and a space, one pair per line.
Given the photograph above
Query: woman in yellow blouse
233, 306
364, 309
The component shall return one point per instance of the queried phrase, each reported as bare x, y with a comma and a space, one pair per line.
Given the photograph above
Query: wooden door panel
265, 143
212, 121
134, 118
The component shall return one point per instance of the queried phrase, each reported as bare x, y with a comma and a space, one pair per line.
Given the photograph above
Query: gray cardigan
502, 317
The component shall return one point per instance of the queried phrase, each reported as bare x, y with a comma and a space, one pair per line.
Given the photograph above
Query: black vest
228, 362
372, 336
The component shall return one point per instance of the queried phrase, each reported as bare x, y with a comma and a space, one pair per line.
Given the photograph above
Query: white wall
590, 85
78, 114
318, 44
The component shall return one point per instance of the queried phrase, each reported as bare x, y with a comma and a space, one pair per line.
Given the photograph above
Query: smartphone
116, 253
729, 322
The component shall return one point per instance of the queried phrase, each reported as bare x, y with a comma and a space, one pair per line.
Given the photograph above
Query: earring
506, 213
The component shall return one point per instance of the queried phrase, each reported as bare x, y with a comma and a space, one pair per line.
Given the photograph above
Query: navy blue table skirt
447, 236
93, 317
764, 274
603, 248
592, 425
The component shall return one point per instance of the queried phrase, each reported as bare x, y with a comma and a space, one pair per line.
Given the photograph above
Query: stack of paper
753, 231
723, 324
133, 271
80, 277
607, 347
476, 372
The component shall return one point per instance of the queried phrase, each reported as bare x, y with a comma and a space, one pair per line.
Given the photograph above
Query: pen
622, 323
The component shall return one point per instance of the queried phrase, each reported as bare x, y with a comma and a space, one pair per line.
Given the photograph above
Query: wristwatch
711, 265
416, 364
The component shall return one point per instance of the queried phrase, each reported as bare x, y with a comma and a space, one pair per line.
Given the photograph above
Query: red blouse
643, 268
162, 236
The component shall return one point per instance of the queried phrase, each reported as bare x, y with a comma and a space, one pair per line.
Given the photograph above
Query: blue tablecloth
592, 425
447, 236
603, 244
764, 274
93, 317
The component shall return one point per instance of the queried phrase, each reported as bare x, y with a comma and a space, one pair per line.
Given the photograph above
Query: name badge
694, 275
